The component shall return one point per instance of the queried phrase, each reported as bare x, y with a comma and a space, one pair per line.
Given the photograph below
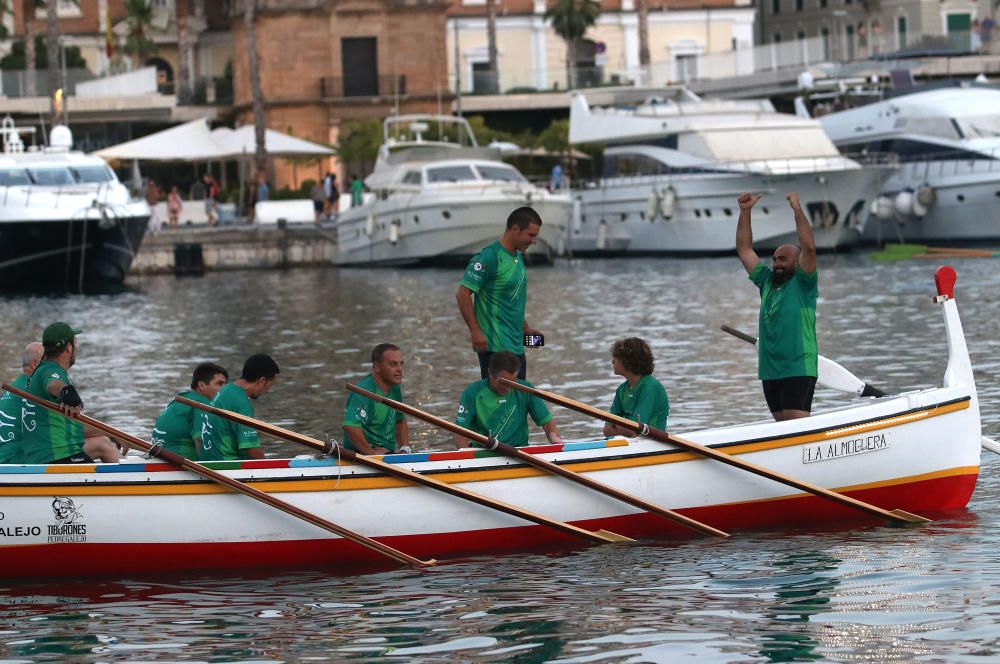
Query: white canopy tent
242, 141
191, 141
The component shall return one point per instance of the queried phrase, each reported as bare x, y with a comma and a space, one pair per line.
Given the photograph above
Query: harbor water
844, 594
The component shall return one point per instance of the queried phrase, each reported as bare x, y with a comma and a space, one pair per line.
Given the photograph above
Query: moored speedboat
66, 222
917, 451
675, 164
441, 201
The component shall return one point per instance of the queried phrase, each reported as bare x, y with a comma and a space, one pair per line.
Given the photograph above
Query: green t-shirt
787, 324
48, 436
178, 425
225, 440
377, 420
10, 422
646, 404
499, 280
506, 417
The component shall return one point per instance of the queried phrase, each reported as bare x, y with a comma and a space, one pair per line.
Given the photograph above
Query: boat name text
845, 448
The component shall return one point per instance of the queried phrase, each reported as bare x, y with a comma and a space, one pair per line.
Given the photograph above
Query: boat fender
667, 203
370, 225
577, 218
926, 197
602, 235
394, 231
882, 207
904, 203
652, 205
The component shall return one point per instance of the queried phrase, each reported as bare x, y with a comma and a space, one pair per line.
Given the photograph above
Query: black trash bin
188, 260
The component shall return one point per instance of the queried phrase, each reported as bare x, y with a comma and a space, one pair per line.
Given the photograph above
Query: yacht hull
431, 230
703, 220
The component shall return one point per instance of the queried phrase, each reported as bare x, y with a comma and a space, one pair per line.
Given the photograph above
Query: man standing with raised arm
787, 353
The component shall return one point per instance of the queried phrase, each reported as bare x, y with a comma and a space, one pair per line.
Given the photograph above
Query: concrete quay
192, 251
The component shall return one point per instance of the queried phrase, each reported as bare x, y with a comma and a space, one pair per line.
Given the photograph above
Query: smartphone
534, 340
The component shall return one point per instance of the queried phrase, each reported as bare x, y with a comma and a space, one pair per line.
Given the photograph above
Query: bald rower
787, 352
11, 405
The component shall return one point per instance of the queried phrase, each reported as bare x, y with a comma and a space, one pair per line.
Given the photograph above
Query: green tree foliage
571, 19
358, 145
139, 15
16, 58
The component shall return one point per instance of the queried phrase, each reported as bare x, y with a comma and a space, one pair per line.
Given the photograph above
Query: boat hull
443, 230
917, 452
705, 211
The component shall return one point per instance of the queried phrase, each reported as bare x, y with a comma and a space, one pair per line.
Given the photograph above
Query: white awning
191, 141
242, 141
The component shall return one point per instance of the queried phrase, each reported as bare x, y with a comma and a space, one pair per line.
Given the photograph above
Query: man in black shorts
787, 353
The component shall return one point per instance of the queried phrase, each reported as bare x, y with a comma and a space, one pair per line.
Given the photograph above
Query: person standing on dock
178, 428
225, 440
493, 409
641, 398
496, 275
11, 405
787, 352
50, 437
371, 427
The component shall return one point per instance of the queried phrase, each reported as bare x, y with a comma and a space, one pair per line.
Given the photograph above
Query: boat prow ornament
916, 453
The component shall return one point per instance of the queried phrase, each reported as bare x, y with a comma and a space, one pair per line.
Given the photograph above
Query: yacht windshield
450, 174
92, 173
979, 126
50, 176
499, 173
759, 144
13, 177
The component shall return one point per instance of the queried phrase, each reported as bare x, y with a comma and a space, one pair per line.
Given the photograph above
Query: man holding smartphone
496, 275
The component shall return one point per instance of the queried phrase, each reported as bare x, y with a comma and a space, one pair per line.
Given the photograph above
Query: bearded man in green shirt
11, 405
493, 409
641, 398
371, 427
178, 428
496, 276
50, 437
786, 347
225, 440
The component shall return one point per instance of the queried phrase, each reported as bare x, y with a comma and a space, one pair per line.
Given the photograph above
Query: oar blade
909, 517
613, 537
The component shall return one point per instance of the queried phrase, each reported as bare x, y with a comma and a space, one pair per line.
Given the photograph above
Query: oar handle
177, 460
739, 335
548, 466
897, 516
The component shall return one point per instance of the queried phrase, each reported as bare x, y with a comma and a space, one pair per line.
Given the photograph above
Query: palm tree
259, 121
52, 38
139, 15
183, 45
491, 46
644, 33
28, 8
4, 10
571, 19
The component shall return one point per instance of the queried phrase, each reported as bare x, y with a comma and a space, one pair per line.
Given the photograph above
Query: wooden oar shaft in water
601, 536
547, 466
235, 485
897, 516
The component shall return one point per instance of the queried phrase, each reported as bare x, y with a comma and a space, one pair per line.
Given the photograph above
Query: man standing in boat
11, 405
178, 428
50, 437
371, 427
493, 409
225, 440
787, 353
496, 275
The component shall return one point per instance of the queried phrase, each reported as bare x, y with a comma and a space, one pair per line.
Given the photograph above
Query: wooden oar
235, 485
600, 536
831, 374
548, 466
897, 516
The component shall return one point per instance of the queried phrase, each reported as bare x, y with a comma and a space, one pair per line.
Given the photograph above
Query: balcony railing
335, 87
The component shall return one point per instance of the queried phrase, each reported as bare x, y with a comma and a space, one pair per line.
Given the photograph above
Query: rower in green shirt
50, 437
225, 440
371, 427
493, 409
787, 351
178, 428
641, 398
496, 275
11, 406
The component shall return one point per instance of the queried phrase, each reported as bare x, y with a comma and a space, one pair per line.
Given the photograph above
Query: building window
777, 37
801, 36
686, 67
901, 32
822, 4
799, 5
824, 33
850, 42
775, 6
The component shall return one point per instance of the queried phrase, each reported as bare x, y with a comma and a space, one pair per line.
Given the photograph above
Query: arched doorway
164, 75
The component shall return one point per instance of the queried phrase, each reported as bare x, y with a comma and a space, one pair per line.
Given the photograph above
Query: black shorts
795, 393
318, 206
79, 457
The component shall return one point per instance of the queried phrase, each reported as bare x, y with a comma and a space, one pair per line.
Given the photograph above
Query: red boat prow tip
945, 278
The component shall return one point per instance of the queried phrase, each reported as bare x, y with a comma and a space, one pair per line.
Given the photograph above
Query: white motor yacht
435, 196
948, 141
674, 166
66, 222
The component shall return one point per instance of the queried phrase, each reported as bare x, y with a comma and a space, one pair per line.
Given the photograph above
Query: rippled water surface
876, 594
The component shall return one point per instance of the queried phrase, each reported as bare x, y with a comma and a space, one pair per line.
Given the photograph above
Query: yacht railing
943, 164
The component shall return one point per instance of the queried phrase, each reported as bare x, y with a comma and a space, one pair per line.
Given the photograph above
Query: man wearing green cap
11, 405
50, 437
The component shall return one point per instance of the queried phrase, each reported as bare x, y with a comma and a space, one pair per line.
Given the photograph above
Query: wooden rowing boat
917, 451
